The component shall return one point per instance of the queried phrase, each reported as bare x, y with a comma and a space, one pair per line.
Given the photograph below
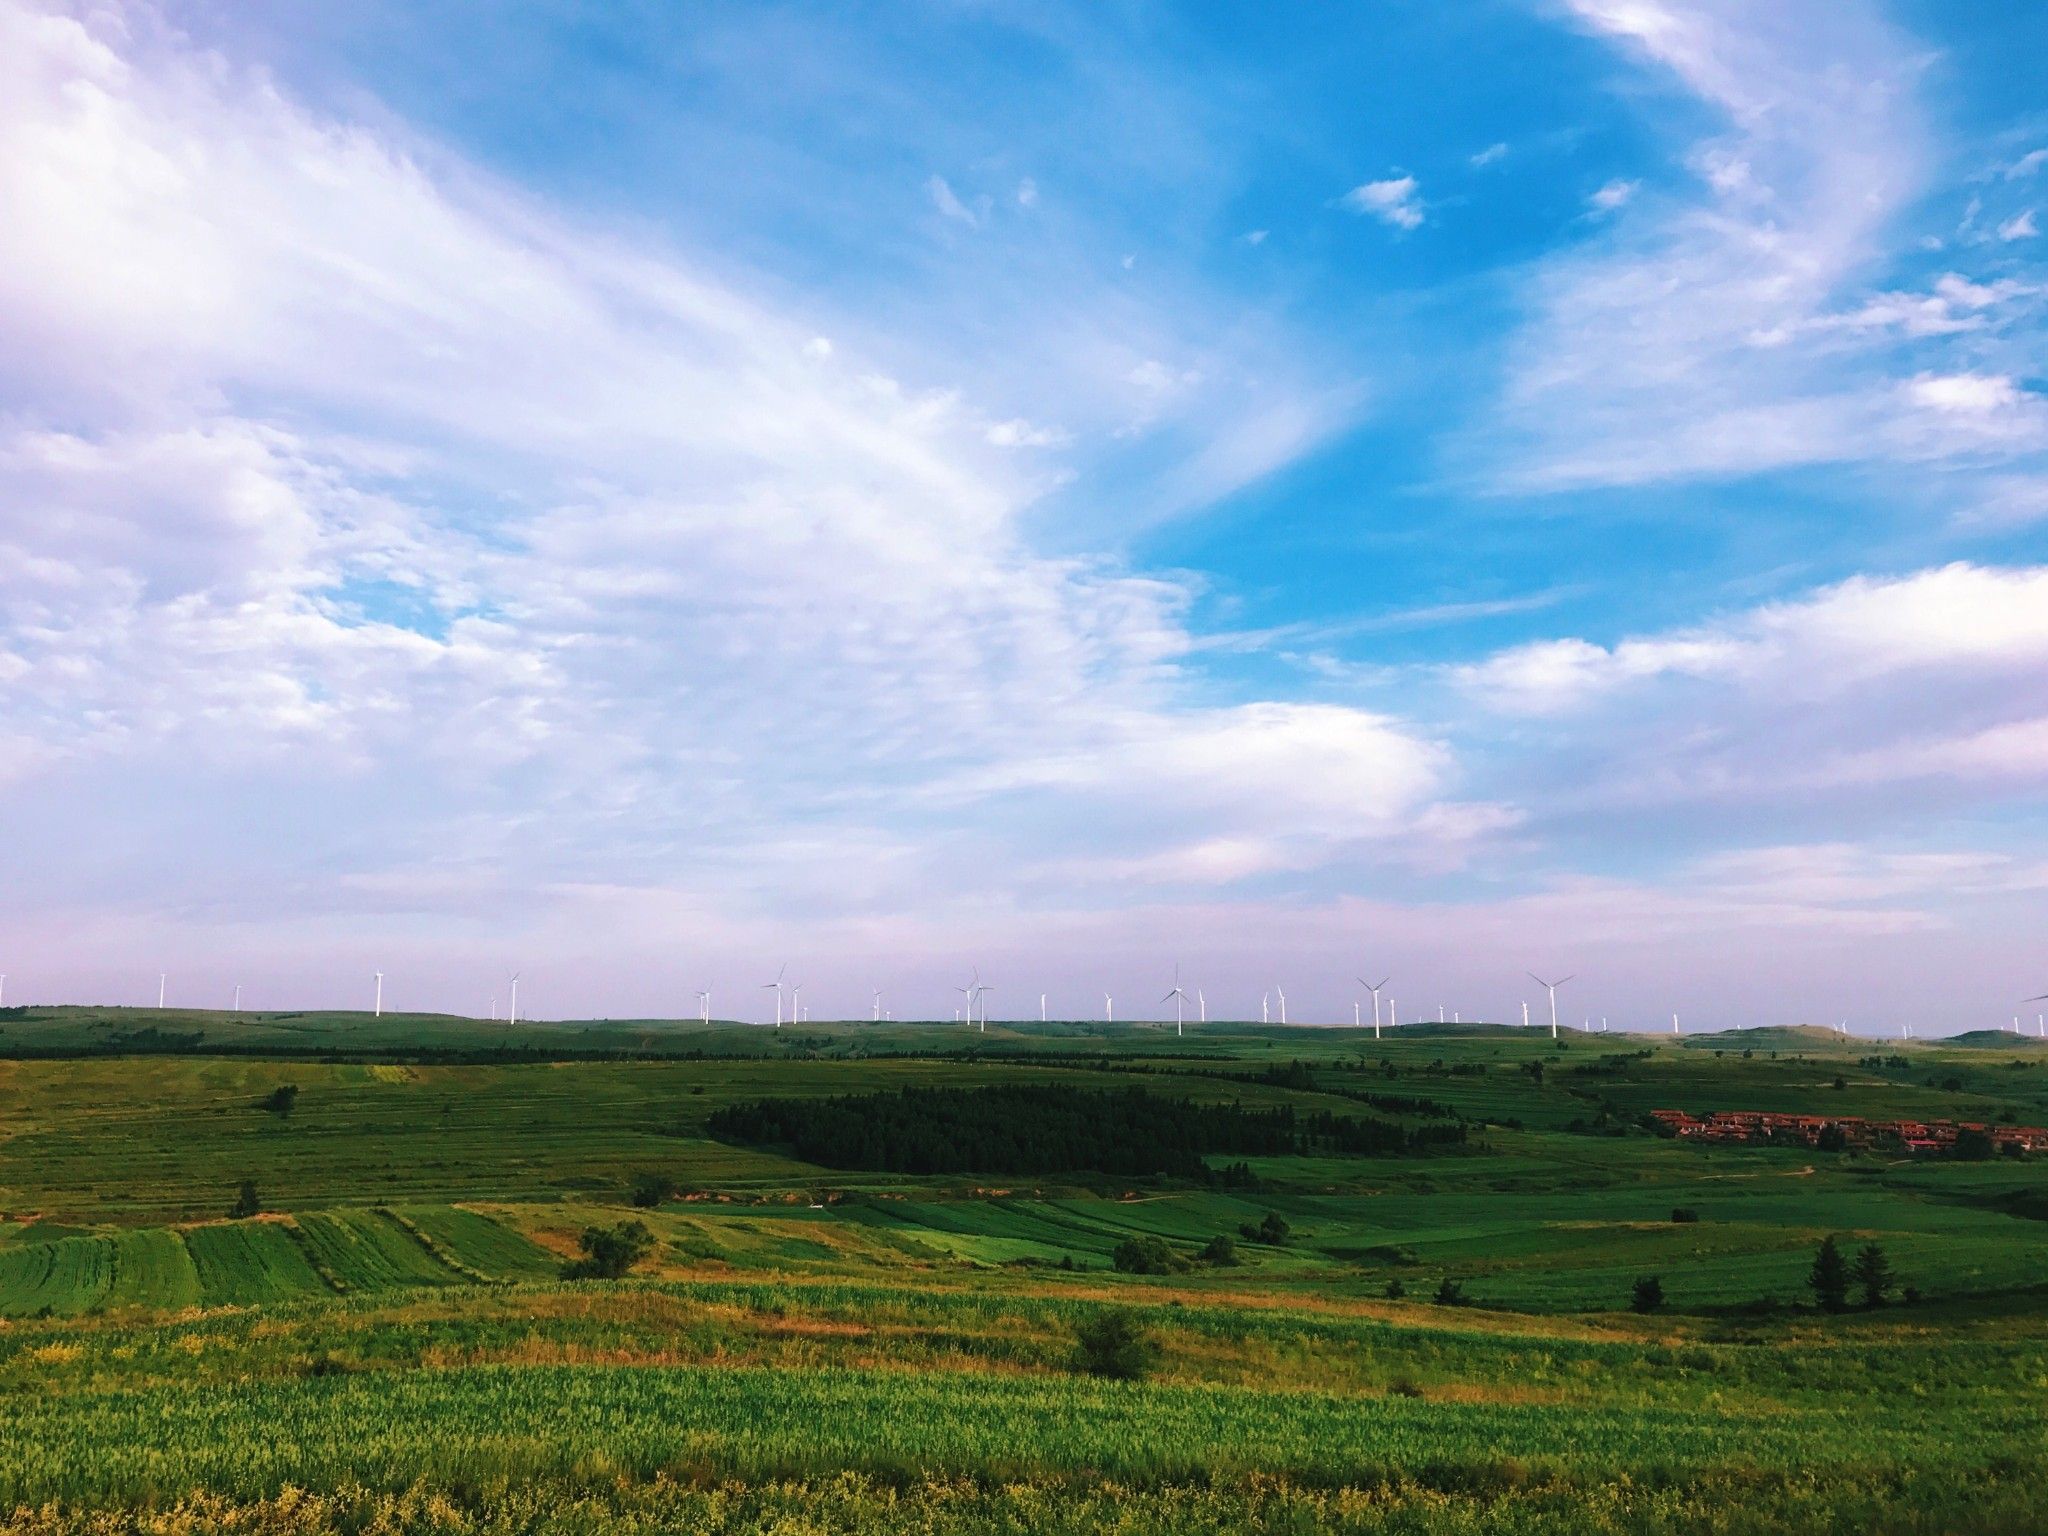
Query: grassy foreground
388, 1348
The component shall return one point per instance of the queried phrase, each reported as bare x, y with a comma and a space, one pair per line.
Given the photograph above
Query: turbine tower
704, 1004
1375, 991
513, 1017
1041, 1007
238, 994
796, 996
1265, 999
982, 991
377, 1007
1108, 1009
1283, 1001
775, 986
1551, 987
161, 981
876, 1018
3, 989
1179, 999
970, 992
1201, 1006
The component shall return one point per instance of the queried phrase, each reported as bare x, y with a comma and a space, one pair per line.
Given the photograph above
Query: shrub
1451, 1293
1147, 1256
608, 1252
1648, 1295
247, 1202
282, 1099
1272, 1231
1395, 1289
650, 1189
1684, 1213
1220, 1252
1114, 1344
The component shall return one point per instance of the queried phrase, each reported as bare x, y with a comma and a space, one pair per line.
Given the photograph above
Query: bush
1648, 1295
282, 1099
1114, 1344
1451, 1293
246, 1201
608, 1252
1220, 1252
650, 1189
1395, 1289
1684, 1213
1147, 1256
1272, 1231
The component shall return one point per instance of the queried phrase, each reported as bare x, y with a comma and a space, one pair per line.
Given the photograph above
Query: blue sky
639, 494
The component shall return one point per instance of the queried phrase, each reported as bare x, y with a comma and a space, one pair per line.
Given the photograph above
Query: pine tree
1830, 1276
1874, 1274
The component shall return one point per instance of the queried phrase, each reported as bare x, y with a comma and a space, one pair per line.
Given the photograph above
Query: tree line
1044, 1129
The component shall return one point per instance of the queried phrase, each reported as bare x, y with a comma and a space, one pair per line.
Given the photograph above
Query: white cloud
2027, 164
1856, 690
1974, 393
1699, 342
1255, 237
1393, 201
2020, 226
1027, 193
1489, 155
1612, 196
949, 205
367, 484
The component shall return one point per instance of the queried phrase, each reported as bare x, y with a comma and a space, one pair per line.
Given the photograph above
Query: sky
644, 495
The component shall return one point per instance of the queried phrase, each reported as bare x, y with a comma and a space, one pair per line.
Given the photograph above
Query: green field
389, 1344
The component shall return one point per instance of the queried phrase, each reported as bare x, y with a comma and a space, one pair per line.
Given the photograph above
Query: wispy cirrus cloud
349, 471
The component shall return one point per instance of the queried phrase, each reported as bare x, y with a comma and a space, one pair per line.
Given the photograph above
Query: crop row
254, 1262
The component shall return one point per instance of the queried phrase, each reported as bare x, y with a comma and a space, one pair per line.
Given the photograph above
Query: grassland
388, 1346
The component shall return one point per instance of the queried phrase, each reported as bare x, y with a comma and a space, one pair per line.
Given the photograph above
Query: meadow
387, 1342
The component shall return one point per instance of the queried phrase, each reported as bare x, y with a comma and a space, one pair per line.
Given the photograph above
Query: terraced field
255, 1263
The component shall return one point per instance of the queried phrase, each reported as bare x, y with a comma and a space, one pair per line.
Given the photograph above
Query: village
1840, 1132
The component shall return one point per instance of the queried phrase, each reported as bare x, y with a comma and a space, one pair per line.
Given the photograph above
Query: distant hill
1778, 1037
1995, 1039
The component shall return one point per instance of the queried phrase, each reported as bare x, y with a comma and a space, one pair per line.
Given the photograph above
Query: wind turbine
796, 994
1375, 991
513, 1016
970, 992
776, 987
238, 994
1201, 1006
1551, 987
1283, 1001
1179, 999
377, 1008
877, 1017
161, 980
983, 992
704, 1004
1265, 998
1108, 1008
1041, 1007
3, 989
